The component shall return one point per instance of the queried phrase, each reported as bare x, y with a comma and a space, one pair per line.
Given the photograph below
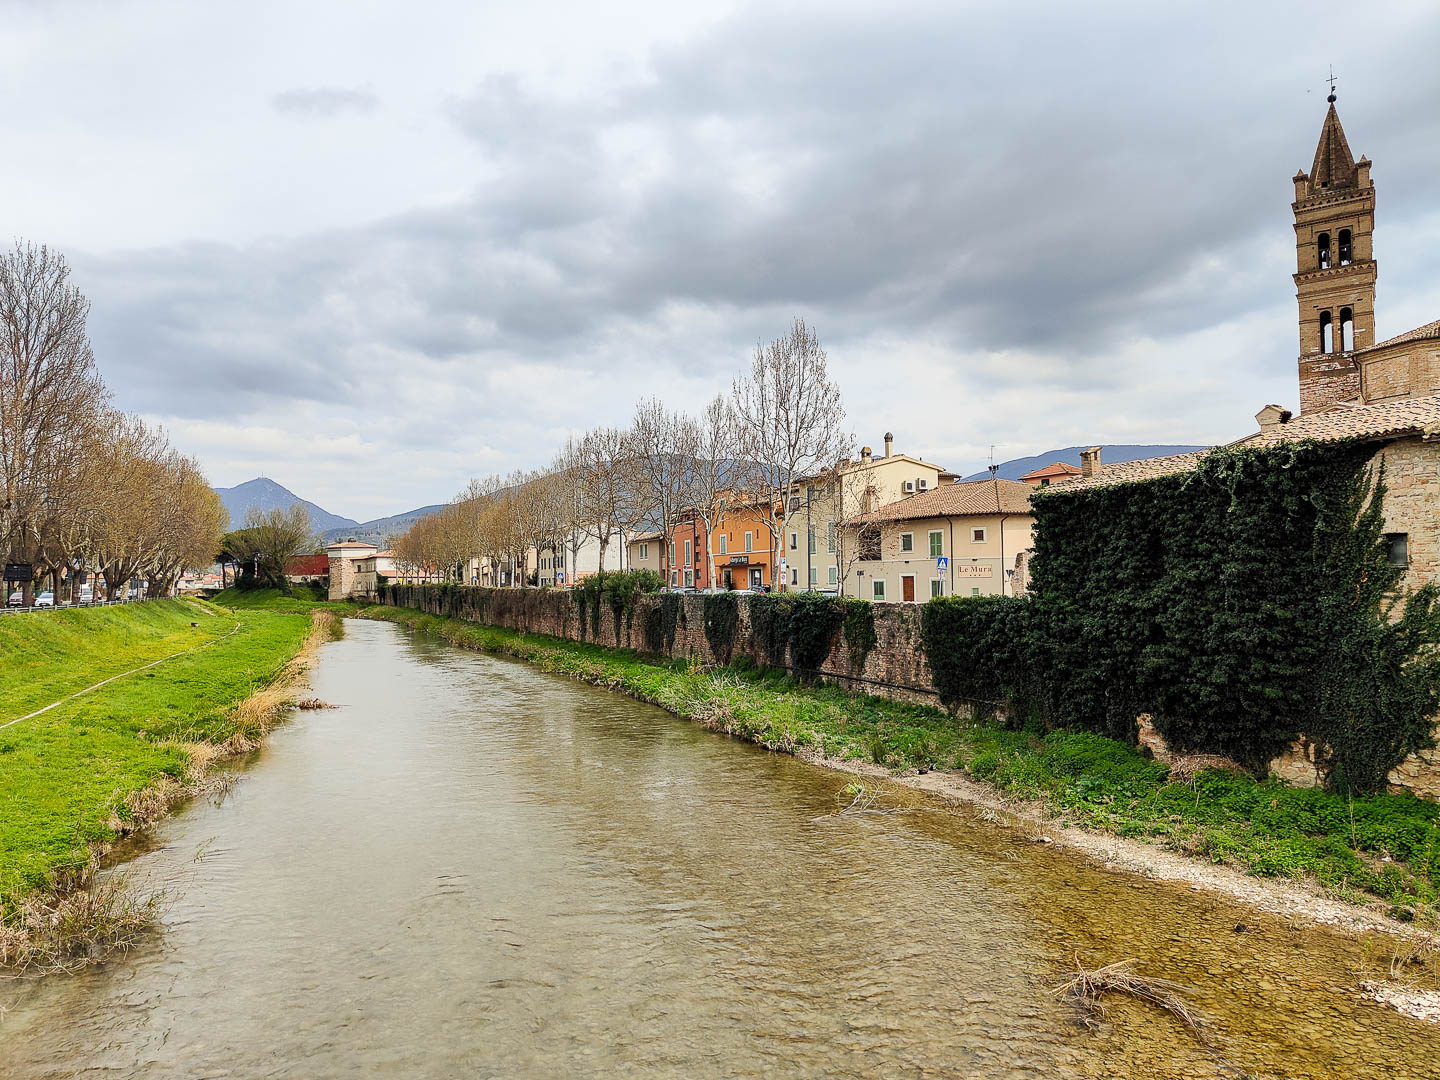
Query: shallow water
472, 869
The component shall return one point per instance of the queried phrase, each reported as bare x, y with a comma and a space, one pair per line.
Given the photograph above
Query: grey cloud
1058, 186
325, 101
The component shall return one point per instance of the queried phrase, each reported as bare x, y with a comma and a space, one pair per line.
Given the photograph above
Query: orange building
744, 555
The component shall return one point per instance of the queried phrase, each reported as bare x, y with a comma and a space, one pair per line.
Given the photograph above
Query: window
907, 541
937, 543
749, 541
834, 576
794, 541
644, 551
674, 578
1399, 548
723, 539
560, 561
878, 588
1044, 481
687, 552
814, 576
831, 538
1344, 239
975, 592
794, 575
810, 538
1327, 333
672, 552
869, 543
937, 587
1347, 329
1322, 245
977, 536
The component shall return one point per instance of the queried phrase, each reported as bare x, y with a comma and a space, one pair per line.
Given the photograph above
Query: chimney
1271, 417
864, 453
889, 444
1090, 462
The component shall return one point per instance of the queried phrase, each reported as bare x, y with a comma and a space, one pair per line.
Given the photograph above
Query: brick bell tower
1335, 268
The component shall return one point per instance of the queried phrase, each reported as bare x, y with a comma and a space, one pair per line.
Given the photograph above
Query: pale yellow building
642, 552
815, 548
954, 540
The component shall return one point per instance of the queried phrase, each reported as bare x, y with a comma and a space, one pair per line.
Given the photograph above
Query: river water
472, 869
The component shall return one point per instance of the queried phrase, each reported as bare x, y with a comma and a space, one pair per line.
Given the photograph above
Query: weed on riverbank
1383, 847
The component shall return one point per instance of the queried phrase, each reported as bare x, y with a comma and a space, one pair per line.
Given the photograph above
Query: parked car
85, 595
17, 599
45, 599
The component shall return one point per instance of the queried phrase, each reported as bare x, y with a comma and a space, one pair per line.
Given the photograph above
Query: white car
17, 599
45, 599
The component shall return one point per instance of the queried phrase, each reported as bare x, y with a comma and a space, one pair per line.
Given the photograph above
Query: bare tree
715, 448
791, 421
659, 460
50, 394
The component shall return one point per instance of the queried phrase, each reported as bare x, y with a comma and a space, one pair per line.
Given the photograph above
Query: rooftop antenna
993, 467
1331, 81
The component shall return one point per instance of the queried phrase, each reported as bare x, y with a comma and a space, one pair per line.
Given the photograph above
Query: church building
1336, 271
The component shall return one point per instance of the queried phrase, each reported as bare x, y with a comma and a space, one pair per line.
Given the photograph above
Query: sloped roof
1055, 468
1420, 333
1334, 165
1383, 420
307, 565
957, 500
1129, 472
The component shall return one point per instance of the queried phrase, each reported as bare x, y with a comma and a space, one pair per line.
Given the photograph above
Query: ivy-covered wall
869, 647
1240, 605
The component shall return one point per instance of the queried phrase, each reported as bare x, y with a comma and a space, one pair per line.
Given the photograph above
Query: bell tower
1335, 267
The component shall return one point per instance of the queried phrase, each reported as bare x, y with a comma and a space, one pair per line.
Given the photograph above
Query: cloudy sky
372, 249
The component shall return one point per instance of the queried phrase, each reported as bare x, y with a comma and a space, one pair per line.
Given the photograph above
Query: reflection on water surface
472, 869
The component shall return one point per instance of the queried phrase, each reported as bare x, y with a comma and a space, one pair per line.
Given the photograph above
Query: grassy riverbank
85, 772
1384, 847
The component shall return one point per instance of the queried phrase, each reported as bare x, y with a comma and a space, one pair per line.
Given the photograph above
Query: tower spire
1334, 165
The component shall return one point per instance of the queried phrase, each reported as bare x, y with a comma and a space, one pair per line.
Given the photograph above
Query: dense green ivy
859, 632
619, 590
722, 620
1241, 605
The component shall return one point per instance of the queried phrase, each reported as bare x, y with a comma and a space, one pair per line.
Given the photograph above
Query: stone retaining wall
895, 668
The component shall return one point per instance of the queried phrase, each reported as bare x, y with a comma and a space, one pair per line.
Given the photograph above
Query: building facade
956, 540
815, 553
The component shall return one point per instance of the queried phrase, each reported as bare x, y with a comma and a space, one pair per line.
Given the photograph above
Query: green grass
46, 655
1383, 846
300, 598
64, 773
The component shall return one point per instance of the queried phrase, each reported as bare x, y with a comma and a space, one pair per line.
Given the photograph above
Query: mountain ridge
1110, 453
265, 494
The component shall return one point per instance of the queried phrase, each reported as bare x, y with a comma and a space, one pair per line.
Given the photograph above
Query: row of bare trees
83, 486
782, 421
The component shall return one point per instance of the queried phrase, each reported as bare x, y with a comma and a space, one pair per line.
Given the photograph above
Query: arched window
1347, 329
1344, 247
1324, 247
1327, 333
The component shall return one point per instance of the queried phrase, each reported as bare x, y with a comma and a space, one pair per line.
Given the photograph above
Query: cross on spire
1331, 81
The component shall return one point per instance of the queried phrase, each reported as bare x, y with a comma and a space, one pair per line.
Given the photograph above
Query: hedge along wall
870, 648
1241, 605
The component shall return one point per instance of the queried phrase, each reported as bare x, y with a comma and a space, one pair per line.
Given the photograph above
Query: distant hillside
266, 495
1013, 470
381, 529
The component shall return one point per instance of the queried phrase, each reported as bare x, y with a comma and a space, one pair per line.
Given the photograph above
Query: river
473, 869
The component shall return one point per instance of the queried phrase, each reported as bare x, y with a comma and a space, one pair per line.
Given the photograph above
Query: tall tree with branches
791, 421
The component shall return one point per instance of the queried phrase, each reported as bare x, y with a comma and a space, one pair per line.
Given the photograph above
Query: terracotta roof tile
1383, 420
958, 500
1420, 333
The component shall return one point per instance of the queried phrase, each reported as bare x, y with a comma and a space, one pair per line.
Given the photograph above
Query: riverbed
473, 869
